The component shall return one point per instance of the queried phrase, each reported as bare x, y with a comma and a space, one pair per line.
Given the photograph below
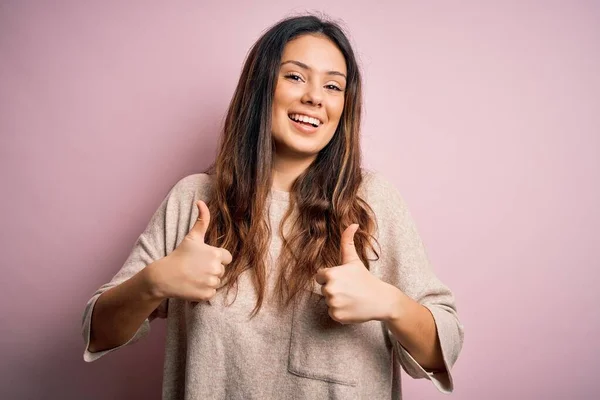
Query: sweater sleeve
404, 264
154, 243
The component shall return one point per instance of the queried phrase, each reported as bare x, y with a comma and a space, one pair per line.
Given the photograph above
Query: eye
334, 87
294, 77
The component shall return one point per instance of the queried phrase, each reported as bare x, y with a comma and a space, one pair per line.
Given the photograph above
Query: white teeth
304, 118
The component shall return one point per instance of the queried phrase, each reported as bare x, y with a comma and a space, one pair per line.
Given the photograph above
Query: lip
303, 128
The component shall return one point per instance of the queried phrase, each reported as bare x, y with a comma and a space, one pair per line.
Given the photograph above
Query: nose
313, 95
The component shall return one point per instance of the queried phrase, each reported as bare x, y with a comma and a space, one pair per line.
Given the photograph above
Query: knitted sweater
215, 351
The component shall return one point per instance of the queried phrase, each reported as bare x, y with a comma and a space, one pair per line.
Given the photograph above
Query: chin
297, 151
302, 153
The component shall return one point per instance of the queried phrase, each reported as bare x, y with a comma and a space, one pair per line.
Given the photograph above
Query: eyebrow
304, 66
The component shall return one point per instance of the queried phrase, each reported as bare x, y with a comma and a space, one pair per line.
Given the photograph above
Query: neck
287, 170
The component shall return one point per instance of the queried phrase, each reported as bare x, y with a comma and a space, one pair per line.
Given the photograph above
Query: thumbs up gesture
351, 292
193, 271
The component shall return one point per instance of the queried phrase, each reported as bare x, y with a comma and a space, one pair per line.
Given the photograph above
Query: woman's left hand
352, 293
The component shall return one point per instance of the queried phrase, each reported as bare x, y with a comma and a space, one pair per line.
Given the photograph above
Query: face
309, 97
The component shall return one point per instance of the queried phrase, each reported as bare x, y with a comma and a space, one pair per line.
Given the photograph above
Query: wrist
395, 301
150, 282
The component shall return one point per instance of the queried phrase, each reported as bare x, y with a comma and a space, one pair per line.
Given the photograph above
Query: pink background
486, 115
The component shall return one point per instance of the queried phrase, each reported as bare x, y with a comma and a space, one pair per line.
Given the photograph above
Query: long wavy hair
325, 196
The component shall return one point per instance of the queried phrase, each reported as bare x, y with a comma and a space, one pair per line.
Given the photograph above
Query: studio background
484, 114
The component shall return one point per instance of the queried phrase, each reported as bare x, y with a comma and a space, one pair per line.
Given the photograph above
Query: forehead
318, 52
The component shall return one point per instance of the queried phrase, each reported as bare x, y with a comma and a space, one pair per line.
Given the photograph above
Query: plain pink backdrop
486, 115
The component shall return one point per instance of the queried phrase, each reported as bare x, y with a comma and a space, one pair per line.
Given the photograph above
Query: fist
193, 271
351, 292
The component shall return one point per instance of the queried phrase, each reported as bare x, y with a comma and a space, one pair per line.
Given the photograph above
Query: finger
225, 256
220, 271
348, 249
321, 276
213, 281
201, 226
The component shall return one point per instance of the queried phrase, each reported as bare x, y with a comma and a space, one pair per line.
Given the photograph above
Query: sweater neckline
280, 195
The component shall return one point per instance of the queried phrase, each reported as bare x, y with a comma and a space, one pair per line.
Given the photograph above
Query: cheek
278, 111
284, 95
338, 108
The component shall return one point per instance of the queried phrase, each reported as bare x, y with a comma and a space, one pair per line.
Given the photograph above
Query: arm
120, 311
412, 324
423, 322
113, 315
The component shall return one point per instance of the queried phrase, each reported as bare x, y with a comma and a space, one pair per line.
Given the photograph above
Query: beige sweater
217, 352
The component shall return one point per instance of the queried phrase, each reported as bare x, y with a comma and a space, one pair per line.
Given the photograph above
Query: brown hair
326, 194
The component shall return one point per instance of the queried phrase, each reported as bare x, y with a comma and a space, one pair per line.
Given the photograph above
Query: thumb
201, 226
348, 250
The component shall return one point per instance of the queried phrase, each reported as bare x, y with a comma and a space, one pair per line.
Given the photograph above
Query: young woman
286, 271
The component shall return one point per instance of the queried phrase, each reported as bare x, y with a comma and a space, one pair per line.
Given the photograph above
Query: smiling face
309, 97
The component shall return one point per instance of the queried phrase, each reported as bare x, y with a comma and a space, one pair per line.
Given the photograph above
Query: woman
286, 271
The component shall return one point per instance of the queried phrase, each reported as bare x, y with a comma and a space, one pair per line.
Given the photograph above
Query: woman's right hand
193, 271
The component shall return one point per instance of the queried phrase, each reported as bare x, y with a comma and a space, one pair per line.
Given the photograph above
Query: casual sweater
216, 351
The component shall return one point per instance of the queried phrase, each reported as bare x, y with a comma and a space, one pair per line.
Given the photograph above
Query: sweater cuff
446, 327
88, 356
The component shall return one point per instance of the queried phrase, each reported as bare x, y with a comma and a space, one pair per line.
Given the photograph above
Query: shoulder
178, 208
378, 191
391, 211
197, 185
189, 189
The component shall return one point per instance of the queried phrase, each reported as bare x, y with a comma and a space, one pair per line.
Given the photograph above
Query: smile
305, 120
305, 128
